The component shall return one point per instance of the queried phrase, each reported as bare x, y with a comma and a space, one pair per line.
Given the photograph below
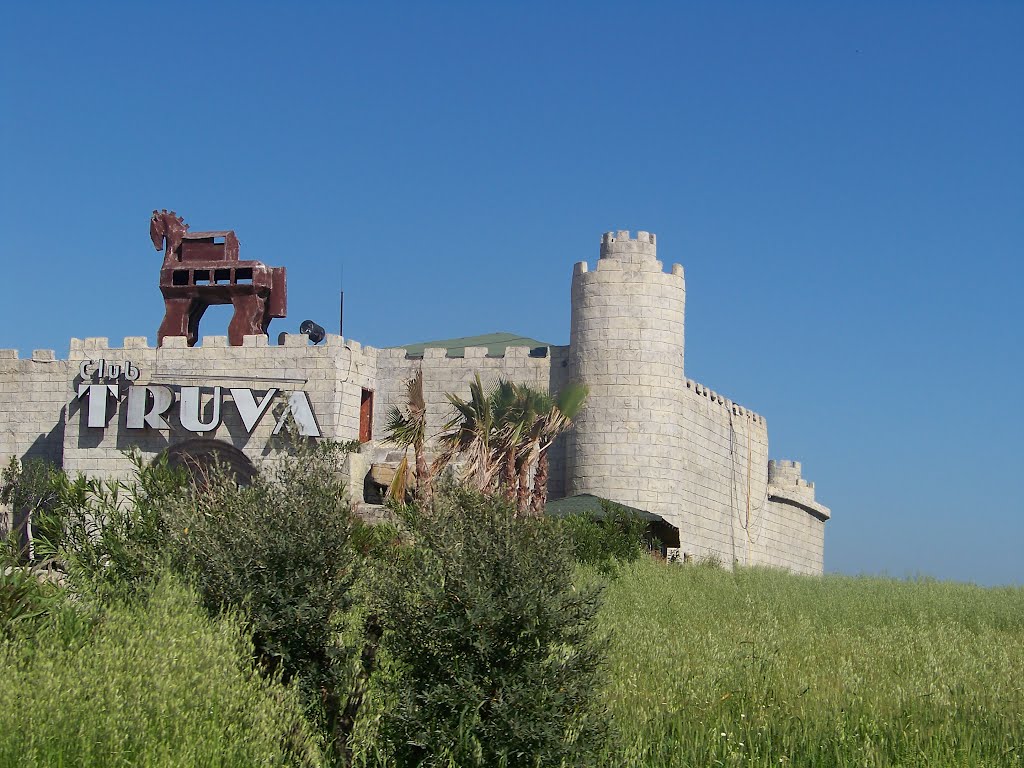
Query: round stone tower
626, 345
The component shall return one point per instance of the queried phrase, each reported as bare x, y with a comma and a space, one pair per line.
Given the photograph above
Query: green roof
586, 504
496, 344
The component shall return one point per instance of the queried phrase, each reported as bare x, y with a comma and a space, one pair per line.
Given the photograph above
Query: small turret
619, 245
785, 483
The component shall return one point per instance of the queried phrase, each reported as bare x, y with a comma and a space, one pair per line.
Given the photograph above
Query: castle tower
626, 345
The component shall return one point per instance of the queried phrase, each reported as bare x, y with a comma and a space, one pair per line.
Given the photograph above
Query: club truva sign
150, 405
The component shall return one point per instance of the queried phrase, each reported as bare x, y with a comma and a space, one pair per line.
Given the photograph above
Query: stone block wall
738, 506
793, 533
724, 479
332, 375
790, 537
34, 392
443, 375
626, 345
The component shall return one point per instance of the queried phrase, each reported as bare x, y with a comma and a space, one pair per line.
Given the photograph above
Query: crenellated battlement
38, 356
619, 243
622, 256
787, 486
291, 341
784, 473
714, 397
468, 353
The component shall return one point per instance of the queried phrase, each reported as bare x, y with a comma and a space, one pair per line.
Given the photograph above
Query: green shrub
617, 537
156, 683
494, 653
378, 540
280, 551
109, 535
33, 488
26, 600
115, 536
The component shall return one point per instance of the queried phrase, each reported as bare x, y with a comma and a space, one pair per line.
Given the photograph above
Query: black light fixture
315, 332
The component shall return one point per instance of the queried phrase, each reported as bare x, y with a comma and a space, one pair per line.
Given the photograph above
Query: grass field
759, 668
157, 685
705, 668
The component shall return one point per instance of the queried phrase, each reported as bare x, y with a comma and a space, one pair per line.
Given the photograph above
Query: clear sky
844, 184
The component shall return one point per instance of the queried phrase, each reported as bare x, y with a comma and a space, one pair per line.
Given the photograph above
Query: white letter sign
97, 400
138, 416
302, 412
251, 411
191, 410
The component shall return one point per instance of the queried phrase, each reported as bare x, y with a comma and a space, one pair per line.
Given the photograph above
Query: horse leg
247, 319
268, 315
176, 319
195, 314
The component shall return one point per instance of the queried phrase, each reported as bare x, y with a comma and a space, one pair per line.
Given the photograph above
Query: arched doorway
199, 455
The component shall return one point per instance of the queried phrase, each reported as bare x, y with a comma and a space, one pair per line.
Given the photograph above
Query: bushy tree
278, 552
494, 648
109, 535
33, 489
281, 550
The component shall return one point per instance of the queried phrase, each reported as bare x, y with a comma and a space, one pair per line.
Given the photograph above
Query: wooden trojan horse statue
202, 269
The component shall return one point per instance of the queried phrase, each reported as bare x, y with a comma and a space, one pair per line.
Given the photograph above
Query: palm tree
556, 420
533, 408
471, 433
506, 435
509, 424
409, 429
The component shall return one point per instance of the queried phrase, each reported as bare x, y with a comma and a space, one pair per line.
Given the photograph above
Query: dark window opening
373, 492
179, 277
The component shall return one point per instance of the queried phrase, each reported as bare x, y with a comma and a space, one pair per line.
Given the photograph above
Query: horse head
167, 226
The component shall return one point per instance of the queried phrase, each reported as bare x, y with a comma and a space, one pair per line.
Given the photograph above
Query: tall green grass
704, 668
151, 684
761, 668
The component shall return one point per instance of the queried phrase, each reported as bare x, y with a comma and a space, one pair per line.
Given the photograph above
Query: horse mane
167, 227
168, 218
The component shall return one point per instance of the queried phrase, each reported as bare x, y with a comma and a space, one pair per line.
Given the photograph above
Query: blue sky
844, 184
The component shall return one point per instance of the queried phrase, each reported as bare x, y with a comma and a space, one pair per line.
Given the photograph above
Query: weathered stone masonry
648, 436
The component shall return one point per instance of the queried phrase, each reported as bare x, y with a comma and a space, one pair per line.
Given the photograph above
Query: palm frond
399, 483
571, 399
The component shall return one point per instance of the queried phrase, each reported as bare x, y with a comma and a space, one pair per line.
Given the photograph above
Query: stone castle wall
792, 535
725, 475
34, 394
647, 436
332, 375
443, 375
